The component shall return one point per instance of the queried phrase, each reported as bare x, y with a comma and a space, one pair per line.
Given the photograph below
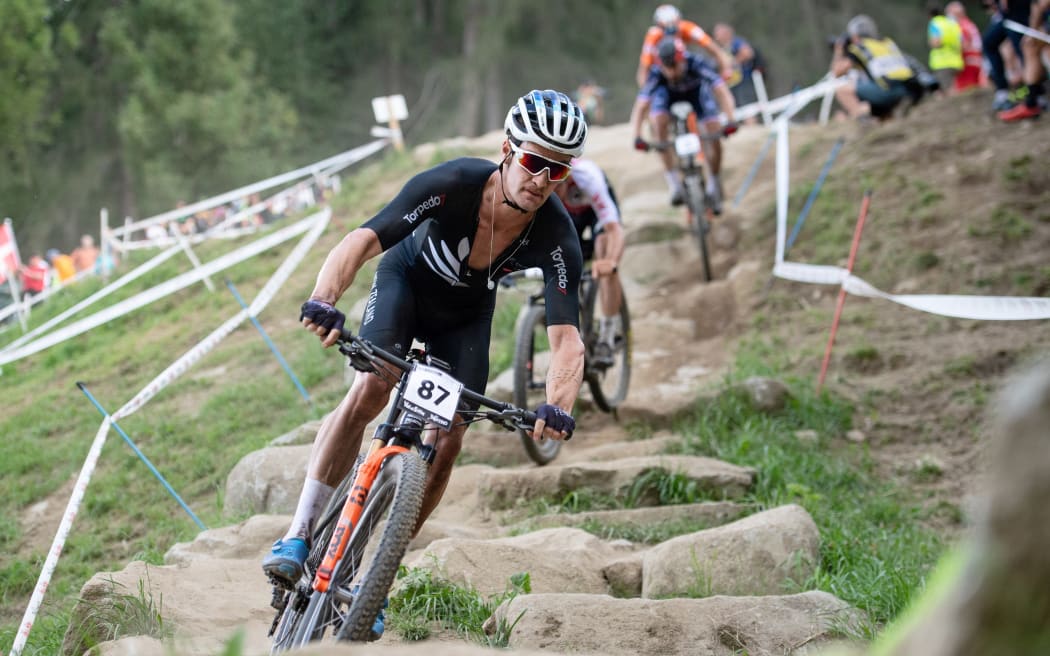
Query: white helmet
666, 16
550, 119
862, 25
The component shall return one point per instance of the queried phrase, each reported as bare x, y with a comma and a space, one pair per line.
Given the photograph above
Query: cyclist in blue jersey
448, 236
681, 75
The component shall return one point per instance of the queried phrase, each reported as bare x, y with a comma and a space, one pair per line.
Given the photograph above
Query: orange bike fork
352, 509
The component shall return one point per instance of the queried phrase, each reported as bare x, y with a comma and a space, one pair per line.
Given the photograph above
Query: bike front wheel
532, 353
362, 578
696, 202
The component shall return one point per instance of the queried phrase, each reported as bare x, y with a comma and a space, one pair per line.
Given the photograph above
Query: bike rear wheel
609, 382
696, 201
531, 361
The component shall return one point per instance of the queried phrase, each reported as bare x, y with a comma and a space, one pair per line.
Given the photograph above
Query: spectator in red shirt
972, 51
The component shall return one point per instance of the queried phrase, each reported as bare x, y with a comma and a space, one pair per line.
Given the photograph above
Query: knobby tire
532, 320
696, 201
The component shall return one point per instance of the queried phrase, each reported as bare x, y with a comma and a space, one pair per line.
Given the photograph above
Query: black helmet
670, 50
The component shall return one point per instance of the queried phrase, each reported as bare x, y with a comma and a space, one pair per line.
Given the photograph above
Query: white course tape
60, 539
267, 293
279, 277
986, 308
796, 100
164, 289
348, 157
134, 274
1025, 30
783, 184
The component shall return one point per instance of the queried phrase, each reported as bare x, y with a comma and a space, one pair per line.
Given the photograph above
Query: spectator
62, 264
35, 276
591, 99
84, 256
741, 84
994, 36
1033, 66
973, 57
944, 36
889, 78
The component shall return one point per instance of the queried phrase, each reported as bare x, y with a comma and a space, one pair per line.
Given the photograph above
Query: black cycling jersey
424, 288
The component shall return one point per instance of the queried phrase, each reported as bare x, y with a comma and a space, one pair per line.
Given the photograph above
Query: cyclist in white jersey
591, 203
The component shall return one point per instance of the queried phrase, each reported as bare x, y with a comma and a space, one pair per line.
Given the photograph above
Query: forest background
136, 105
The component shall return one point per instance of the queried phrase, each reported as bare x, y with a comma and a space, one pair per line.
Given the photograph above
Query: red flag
10, 261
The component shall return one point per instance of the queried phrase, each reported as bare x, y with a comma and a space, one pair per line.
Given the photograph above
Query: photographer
888, 78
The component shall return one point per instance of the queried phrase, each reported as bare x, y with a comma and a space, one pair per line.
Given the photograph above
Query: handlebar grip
530, 417
346, 335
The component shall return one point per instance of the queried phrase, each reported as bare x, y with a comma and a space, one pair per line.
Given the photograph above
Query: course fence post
842, 290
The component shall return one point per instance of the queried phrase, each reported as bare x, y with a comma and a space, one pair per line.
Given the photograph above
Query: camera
837, 39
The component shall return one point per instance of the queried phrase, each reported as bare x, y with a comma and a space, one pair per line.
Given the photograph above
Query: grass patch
116, 615
652, 534
874, 552
424, 598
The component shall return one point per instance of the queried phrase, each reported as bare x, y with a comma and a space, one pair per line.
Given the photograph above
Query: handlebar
365, 356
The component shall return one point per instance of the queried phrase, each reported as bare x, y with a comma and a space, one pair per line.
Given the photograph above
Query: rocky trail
714, 591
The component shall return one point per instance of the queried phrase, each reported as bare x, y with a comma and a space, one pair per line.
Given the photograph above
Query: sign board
388, 108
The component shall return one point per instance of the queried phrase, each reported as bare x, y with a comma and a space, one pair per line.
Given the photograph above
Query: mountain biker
668, 21
591, 203
890, 78
681, 75
448, 236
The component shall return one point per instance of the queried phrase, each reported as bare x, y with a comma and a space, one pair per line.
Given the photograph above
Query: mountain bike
364, 532
608, 378
686, 142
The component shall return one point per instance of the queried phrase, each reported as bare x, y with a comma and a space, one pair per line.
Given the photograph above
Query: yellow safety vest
882, 59
949, 55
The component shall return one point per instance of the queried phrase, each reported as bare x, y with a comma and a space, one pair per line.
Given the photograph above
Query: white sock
672, 181
712, 184
312, 500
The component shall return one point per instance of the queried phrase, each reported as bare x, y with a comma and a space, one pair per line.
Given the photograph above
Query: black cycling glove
323, 314
556, 419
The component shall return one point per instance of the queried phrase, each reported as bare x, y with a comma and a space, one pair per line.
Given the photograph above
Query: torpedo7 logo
561, 270
428, 204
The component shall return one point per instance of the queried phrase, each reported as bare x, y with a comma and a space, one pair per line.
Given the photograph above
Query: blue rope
269, 342
813, 194
142, 456
754, 169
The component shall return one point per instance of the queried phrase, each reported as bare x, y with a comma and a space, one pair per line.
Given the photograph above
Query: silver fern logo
442, 261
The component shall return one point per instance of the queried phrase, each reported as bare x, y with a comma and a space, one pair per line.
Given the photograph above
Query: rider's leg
448, 446
336, 447
609, 290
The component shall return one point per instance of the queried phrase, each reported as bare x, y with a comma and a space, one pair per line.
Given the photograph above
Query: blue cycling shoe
286, 559
380, 624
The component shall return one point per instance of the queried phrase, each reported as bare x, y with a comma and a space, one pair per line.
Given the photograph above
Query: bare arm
638, 114
608, 249
339, 270
565, 374
724, 58
840, 63
724, 97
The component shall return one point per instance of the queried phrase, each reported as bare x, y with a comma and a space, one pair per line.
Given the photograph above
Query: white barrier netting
988, 308
316, 225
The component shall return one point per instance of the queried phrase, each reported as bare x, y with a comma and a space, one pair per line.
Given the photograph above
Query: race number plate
687, 144
433, 394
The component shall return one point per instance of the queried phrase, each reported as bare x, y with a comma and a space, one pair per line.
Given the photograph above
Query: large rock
267, 481
205, 602
248, 539
598, 624
711, 513
506, 487
752, 556
557, 560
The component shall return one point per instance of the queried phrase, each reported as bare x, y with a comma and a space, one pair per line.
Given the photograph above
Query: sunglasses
535, 164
